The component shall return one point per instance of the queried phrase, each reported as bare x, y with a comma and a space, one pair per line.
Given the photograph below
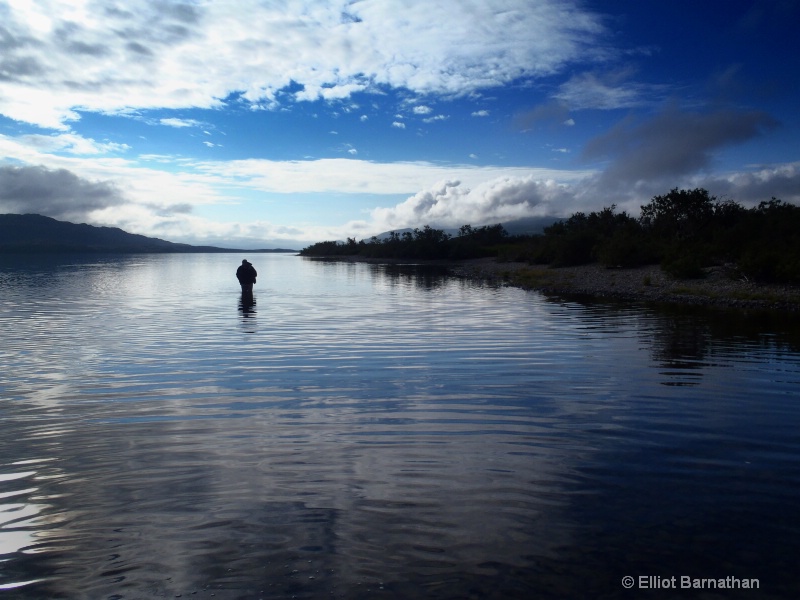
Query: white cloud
399, 125
72, 143
156, 184
179, 123
436, 118
348, 176
608, 91
753, 186
63, 57
452, 203
480, 113
422, 110
449, 203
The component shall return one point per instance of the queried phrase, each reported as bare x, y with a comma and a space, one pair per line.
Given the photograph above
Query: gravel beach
721, 287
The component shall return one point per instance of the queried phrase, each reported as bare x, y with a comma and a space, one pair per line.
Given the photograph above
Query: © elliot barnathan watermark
657, 582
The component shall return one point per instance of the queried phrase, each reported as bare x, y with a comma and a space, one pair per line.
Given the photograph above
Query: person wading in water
246, 274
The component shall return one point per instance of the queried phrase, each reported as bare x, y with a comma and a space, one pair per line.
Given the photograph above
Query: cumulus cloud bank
451, 204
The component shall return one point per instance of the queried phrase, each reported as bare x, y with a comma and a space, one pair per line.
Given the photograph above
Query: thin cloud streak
352, 176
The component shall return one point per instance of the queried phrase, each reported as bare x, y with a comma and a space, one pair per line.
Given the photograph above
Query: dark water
382, 432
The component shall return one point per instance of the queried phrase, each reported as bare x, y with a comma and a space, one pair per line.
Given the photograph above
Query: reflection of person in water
247, 305
246, 274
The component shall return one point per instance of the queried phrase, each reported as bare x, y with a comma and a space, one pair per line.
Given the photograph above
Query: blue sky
261, 124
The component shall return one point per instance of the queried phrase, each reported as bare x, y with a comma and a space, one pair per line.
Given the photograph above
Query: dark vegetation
685, 231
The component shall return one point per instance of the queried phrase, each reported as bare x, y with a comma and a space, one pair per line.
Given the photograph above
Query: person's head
244, 262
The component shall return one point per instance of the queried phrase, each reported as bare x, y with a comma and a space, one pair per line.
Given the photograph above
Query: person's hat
244, 262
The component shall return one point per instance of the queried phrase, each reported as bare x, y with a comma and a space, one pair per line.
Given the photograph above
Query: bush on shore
686, 231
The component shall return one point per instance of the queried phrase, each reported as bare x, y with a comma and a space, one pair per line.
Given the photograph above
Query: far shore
720, 288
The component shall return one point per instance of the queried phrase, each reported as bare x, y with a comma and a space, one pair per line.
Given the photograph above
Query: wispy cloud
348, 176
179, 123
608, 90
72, 144
550, 112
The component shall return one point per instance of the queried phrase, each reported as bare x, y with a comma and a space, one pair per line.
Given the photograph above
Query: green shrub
627, 248
683, 266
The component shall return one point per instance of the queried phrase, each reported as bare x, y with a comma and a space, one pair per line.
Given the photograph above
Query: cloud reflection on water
380, 427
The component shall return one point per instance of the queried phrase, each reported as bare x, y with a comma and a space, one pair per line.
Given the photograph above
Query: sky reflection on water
372, 431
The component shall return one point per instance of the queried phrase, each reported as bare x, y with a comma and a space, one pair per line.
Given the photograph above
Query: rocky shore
721, 287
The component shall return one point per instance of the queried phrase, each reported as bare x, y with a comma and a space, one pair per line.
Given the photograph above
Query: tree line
686, 231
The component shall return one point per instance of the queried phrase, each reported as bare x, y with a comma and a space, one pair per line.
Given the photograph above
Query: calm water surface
364, 431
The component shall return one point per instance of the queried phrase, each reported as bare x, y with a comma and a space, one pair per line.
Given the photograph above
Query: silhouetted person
246, 274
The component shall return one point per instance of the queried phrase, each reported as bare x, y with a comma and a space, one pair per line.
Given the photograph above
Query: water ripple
363, 430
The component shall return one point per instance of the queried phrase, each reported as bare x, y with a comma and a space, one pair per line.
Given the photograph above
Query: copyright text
657, 582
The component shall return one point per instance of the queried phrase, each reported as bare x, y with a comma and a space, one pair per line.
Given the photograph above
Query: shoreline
641, 284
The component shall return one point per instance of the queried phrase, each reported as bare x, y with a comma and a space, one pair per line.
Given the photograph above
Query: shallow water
365, 431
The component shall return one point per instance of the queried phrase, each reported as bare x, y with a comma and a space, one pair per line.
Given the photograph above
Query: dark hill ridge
36, 233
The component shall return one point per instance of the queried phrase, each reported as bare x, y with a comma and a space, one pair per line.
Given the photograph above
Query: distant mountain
36, 233
529, 225
524, 226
